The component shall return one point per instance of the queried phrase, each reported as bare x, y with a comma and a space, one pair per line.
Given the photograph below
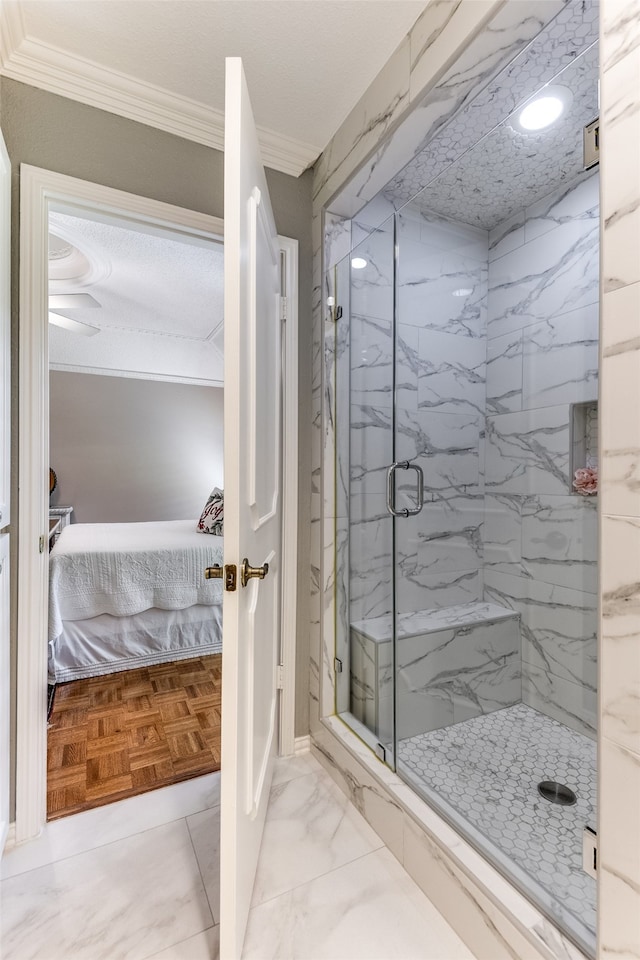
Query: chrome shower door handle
404, 465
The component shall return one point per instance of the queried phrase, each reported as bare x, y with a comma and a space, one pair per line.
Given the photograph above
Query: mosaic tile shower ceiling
565, 52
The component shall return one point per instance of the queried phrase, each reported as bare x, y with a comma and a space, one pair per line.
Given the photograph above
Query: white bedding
105, 644
122, 569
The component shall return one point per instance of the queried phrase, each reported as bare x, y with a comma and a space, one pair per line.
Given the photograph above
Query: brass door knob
213, 573
247, 572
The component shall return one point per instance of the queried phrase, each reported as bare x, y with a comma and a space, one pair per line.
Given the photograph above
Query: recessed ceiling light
358, 263
463, 292
541, 113
544, 109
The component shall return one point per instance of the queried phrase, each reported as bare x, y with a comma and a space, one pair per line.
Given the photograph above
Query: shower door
362, 316
441, 284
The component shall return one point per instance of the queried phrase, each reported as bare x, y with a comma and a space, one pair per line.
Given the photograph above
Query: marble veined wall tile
433, 33
409, 366
502, 533
559, 273
620, 34
621, 332
446, 445
559, 628
448, 535
416, 590
619, 853
371, 447
442, 291
579, 200
507, 236
528, 452
620, 427
475, 669
620, 673
371, 361
439, 233
570, 703
621, 120
370, 556
370, 217
452, 373
560, 359
560, 541
619, 873
382, 105
337, 239
504, 373
371, 287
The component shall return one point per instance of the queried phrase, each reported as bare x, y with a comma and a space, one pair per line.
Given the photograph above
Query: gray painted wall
57, 134
129, 450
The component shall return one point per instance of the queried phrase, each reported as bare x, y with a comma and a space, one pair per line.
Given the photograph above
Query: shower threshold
483, 775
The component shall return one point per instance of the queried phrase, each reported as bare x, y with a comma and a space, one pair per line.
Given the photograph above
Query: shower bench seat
452, 664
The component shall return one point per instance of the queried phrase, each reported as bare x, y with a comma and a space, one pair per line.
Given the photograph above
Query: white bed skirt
107, 644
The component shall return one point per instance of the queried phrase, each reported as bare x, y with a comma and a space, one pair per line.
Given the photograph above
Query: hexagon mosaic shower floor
488, 769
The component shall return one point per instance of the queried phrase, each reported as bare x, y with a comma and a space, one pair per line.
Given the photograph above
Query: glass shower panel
440, 349
365, 365
496, 576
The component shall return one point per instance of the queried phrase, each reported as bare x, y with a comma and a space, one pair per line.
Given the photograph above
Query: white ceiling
161, 301
307, 61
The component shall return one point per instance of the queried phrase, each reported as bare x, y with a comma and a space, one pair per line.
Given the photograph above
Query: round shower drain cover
556, 793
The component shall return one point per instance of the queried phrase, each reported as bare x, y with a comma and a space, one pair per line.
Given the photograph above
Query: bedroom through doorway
136, 507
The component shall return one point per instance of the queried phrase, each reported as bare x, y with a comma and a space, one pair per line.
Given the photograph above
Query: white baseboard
302, 745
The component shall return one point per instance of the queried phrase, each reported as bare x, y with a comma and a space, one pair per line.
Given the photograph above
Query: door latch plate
230, 577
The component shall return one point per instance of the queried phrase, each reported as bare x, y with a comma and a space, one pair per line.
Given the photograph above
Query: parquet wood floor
116, 736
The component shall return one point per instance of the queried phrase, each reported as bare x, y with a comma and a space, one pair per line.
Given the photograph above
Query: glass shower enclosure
466, 400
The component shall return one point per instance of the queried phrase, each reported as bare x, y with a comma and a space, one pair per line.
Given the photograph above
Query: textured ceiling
307, 61
161, 298
480, 168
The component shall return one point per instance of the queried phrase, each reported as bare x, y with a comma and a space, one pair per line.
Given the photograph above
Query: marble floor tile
127, 899
369, 909
204, 946
288, 768
204, 829
311, 828
115, 821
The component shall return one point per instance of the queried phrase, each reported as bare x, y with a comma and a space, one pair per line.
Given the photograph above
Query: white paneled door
252, 524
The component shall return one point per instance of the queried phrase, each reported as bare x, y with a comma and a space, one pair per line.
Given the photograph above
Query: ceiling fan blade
71, 301
73, 326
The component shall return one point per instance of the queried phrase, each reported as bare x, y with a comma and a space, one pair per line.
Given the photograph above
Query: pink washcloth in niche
586, 481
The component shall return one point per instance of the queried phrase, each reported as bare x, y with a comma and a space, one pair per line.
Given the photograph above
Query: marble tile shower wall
365, 421
540, 540
441, 328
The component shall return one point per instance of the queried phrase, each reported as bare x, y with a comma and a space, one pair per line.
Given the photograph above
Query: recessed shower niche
584, 448
467, 347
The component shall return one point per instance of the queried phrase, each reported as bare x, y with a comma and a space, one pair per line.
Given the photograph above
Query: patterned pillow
212, 518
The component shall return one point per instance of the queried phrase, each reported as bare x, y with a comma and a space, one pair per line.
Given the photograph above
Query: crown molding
133, 374
50, 68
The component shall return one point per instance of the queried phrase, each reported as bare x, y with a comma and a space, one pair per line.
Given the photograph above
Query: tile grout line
108, 843
202, 880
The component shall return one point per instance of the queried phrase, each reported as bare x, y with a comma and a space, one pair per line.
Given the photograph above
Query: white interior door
252, 524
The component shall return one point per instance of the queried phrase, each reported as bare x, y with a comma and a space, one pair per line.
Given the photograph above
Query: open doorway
136, 508
42, 191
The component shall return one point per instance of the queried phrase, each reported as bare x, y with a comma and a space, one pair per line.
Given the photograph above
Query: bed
125, 595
